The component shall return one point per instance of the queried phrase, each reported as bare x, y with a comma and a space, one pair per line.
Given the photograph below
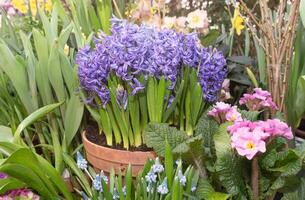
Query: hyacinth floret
212, 72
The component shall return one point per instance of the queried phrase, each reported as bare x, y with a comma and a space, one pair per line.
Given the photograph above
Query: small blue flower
163, 189
81, 162
151, 177
85, 197
149, 188
157, 167
124, 190
115, 194
97, 184
193, 188
182, 178
104, 177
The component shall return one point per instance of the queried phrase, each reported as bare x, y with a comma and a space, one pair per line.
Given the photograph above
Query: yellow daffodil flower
20, 5
237, 21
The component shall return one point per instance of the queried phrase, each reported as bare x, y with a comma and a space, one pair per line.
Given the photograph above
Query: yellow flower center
195, 19
250, 145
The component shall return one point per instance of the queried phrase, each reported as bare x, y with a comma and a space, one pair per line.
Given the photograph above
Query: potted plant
138, 75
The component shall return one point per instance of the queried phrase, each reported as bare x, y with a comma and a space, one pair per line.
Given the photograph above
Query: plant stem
254, 178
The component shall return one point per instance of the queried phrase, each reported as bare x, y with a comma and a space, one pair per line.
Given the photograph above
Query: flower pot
105, 158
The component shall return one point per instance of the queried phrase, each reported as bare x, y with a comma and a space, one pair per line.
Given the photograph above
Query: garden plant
152, 99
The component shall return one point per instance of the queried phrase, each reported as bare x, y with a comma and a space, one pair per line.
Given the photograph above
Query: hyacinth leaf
106, 126
128, 182
46, 26
197, 97
151, 99
120, 118
172, 107
34, 117
161, 89
9, 183
115, 128
134, 110
143, 107
188, 118
169, 163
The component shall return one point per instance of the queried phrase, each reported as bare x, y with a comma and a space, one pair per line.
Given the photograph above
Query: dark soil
92, 134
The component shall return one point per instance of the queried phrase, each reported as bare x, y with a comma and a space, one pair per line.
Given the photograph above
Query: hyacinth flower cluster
250, 138
139, 74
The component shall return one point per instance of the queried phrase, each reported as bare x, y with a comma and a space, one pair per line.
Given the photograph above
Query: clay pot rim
85, 139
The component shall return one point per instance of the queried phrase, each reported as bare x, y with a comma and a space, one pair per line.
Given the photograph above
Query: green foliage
302, 11
249, 115
41, 74
34, 171
157, 135
295, 98
298, 193
207, 192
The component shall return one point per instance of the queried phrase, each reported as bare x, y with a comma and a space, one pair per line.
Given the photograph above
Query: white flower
151, 177
169, 22
162, 189
115, 194
198, 19
182, 178
157, 167
181, 22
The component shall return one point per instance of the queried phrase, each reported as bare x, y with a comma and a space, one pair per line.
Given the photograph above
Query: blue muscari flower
97, 184
124, 190
149, 188
157, 167
193, 188
104, 177
85, 197
151, 177
182, 178
163, 189
81, 162
115, 194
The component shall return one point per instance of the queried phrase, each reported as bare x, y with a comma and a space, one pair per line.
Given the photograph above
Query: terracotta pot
105, 158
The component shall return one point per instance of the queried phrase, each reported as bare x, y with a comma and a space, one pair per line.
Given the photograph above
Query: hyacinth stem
254, 178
